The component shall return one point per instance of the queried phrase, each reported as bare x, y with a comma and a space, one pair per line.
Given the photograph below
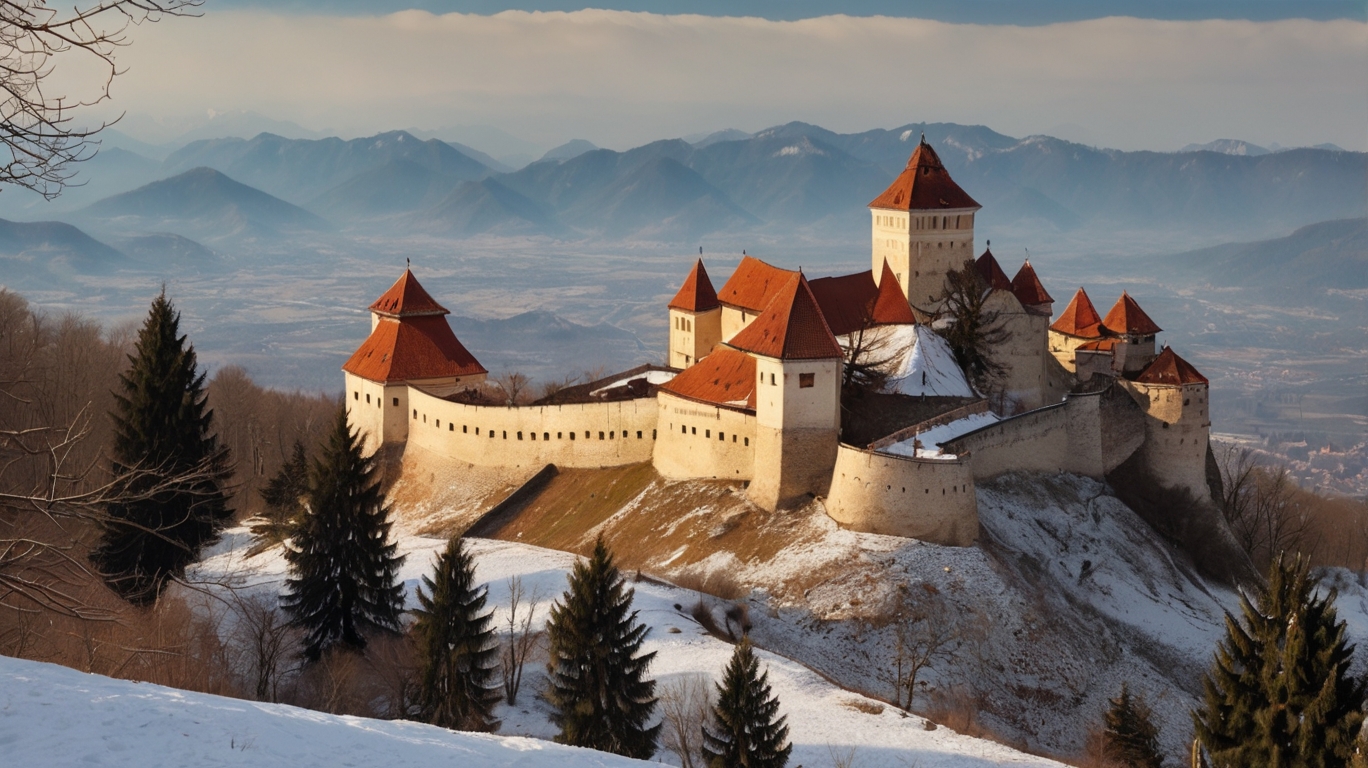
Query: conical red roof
992, 273
406, 298
1126, 318
412, 348
891, 307
790, 328
923, 185
846, 301
1028, 289
753, 285
1080, 318
696, 294
1169, 368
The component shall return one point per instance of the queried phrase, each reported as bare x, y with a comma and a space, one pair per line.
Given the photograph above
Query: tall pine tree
1129, 736
1279, 692
168, 465
745, 730
343, 566
598, 682
456, 645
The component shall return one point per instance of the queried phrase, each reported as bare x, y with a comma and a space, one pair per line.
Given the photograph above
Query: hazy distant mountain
110, 171
510, 150
172, 253
569, 150
726, 134
1328, 255
1228, 147
486, 207
181, 130
300, 170
398, 186
39, 251
202, 203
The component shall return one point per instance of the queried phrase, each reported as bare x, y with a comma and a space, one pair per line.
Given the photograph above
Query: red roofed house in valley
751, 390
923, 227
695, 319
410, 344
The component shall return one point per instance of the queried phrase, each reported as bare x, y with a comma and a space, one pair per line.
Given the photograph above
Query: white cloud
620, 78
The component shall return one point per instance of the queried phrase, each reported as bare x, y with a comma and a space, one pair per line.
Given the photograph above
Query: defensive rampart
703, 440
928, 499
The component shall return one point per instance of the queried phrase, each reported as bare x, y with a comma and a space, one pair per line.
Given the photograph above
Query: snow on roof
655, 378
932, 438
925, 365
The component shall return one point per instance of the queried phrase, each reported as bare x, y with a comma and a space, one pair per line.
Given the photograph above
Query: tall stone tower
410, 343
797, 396
923, 226
695, 319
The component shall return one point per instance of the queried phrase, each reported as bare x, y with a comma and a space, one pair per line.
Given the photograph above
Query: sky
1117, 73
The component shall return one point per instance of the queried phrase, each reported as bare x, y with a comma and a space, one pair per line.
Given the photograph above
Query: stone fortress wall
702, 440
928, 499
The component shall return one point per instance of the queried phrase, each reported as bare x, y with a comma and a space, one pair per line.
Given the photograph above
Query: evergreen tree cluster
168, 466
343, 565
1280, 692
284, 494
747, 729
597, 673
457, 646
1130, 737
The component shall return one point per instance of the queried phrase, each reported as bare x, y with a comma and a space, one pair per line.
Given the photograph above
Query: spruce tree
745, 730
168, 466
456, 645
284, 496
1130, 737
343, 566
598, 684
1279, 692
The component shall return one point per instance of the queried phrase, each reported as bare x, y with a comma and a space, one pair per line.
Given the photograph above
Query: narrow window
806, 380
491, 434
610, 436
572, 435
396, 401
688, 326
558, 436
707, 433
683, 429
425, 418
356, 395
721, 437
465, 428
546, 436
733, 438
505, 434
367, 399
693, 430
439, 423
747, 441
653, 434
600, 435
451, 427
415, 413
638, 434
771, 379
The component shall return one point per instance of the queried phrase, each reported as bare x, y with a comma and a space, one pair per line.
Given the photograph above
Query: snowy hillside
55, 716
824, 719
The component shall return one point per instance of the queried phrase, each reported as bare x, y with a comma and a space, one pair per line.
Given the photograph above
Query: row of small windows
964, 221
546, 436
357, 396
684, 429
683, 324
805, 380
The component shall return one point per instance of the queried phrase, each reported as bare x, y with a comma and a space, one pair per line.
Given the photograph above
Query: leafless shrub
717, 582
333, 684
393, 667
1261, 505
551, 387
685, 705
842, 757
925, 636
265, 645
521, 640
514, 386
737, 618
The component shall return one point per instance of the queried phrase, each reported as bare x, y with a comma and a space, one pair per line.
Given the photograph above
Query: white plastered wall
699, 440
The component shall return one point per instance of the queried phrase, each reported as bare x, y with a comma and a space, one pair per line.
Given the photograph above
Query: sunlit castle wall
583, 435
1177, 433
928, 499
702, 440
921, 247
798, 416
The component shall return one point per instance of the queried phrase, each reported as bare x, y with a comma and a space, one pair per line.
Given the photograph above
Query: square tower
923, 227
695, 319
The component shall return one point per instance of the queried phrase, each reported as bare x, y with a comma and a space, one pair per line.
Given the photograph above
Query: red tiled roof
696, 294
1080, 318
421, 347
1104, 345
846, 301
406, 298
790, 328
891, 307
1169, 368
992, 273
753, 285
1027, 287
1127, 318
924, 185
724, 377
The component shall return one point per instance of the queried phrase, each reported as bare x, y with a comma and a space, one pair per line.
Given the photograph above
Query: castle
756, 386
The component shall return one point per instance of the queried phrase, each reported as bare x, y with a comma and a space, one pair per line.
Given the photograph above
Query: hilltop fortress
755, 387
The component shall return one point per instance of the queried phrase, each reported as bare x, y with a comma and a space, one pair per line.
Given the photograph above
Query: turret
923, 226
695, 319
410, 343
797, 396
1174, 396
1077, 325
1134, 332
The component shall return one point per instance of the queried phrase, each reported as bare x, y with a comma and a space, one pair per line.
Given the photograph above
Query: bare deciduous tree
266, 644
869, 356
925, 635
1261, 505
518, 645
685, 705
40, 140
513, 386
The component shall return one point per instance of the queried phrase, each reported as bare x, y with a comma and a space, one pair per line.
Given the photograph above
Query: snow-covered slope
823, 718
55, 716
